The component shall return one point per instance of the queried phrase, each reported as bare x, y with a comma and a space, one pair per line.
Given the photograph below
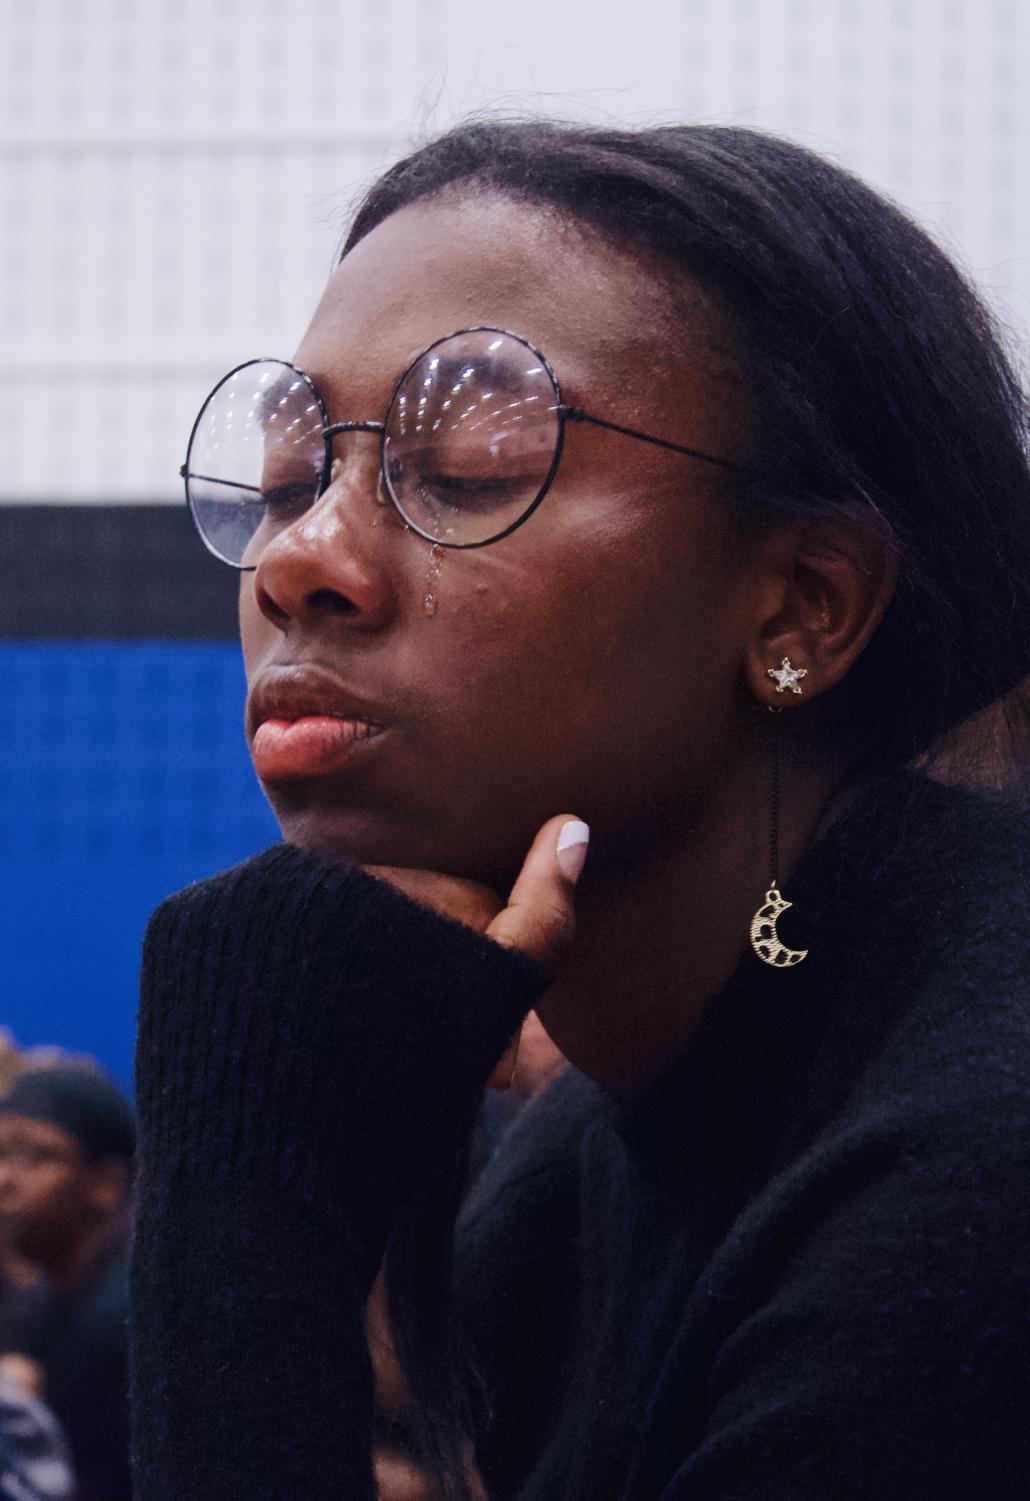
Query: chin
362, 838
357, 839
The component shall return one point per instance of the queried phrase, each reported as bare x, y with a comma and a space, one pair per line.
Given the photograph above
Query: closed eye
283, 501
464, 493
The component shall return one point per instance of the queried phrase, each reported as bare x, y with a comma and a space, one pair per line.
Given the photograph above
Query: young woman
600, 447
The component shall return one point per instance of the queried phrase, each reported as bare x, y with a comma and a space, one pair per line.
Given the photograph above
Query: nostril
331, 602
318, 601
270, 608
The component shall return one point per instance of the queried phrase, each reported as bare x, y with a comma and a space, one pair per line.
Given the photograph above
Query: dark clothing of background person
80, 1342
68, 1143
797, 1267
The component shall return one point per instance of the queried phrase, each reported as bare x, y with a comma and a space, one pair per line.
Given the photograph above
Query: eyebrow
452, 371
275, 396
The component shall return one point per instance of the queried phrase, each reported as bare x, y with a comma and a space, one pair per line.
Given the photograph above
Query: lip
303, 722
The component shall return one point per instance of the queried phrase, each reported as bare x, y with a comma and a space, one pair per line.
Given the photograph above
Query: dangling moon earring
764, 938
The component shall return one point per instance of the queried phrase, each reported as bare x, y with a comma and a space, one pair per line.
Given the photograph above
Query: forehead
609, 321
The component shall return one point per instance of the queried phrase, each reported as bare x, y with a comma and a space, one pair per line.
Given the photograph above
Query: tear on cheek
433, 572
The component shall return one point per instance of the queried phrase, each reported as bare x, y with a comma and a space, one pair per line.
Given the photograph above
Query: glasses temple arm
576, 414
209, 479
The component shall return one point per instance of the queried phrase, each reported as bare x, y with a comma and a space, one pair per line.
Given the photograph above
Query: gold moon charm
764, 938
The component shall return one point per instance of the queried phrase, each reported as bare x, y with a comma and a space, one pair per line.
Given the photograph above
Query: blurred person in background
14, 1060
67, 1143
34, 1460
15, 1271
602, 445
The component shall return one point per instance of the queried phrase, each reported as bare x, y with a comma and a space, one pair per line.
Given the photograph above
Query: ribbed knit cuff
302, 1020
309, 1040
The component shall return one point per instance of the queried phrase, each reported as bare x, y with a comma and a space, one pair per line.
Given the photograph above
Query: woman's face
590, 661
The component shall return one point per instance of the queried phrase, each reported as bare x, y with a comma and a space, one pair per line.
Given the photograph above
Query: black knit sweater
799, 1267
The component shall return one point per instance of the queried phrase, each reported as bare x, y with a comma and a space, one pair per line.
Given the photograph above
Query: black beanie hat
81, 1100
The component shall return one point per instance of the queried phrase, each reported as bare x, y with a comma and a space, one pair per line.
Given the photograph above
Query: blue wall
123, 776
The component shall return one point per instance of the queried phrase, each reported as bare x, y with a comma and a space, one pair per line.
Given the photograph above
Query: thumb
540, 917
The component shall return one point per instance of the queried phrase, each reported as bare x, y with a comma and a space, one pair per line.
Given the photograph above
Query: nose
330, 561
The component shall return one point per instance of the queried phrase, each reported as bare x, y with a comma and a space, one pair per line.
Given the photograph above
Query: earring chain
774, 809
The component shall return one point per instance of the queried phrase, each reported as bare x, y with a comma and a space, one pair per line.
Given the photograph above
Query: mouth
302, 722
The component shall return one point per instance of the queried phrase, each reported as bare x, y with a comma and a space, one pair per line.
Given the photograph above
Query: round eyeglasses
469, 446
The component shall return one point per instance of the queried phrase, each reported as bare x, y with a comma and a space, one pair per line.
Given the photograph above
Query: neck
659, 935
71, 1267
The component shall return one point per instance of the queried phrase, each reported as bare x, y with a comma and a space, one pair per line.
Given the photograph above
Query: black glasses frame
331, 430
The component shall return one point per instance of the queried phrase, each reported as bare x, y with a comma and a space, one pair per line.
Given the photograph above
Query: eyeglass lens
256, 459
470, 443
471, 438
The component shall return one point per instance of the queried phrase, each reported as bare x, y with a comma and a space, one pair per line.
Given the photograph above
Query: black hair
877, 385
81, 1100
874, 374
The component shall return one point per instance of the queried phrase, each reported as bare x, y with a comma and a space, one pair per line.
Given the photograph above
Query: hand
537, 1062
539, 917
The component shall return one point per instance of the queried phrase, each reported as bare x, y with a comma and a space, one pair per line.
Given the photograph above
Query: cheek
48, 1195
604, 676
256, 631
251, 617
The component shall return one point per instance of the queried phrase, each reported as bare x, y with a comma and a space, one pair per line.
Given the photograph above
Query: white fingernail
573, 842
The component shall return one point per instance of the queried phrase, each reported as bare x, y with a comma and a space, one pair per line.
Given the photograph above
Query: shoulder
964, 1042
962, 859
944, 1101
981, 846
921, 980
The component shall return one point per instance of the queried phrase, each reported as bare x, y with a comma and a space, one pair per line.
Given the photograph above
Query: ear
820, 591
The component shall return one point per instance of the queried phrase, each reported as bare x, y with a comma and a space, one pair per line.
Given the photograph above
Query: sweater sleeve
309, 1040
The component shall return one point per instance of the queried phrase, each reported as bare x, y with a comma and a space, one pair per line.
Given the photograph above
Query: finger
540, 916
504, 1068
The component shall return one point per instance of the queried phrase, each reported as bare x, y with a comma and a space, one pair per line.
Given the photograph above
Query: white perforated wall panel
173, 173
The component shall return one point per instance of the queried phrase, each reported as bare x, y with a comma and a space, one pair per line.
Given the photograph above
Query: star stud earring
787, 676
